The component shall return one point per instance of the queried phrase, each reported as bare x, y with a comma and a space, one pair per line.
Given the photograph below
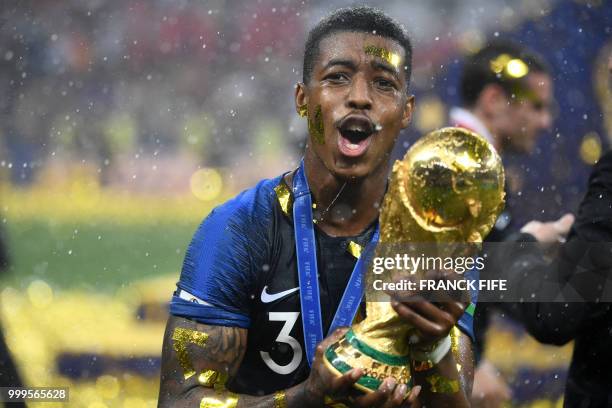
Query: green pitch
95, 256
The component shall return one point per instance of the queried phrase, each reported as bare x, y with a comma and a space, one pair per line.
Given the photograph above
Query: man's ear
492, 100
408, 109
301, 99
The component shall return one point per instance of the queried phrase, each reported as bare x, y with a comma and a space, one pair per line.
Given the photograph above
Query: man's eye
385, 84
539, 106
337, 77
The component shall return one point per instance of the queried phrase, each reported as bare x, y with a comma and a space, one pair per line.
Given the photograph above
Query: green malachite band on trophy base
375, 354
365, 381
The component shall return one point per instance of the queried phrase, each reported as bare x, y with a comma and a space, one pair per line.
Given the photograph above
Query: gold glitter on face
315, 126
181, 337
382, 53
303, 111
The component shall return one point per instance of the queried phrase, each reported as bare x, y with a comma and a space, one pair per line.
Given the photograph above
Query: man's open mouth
355, 135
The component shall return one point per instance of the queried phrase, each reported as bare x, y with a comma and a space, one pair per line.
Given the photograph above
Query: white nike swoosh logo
269, 298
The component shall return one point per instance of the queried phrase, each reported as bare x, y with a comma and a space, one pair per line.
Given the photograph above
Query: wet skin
355, 91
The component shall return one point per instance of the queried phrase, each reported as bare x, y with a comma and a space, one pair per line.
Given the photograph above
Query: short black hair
478, 72
355, 19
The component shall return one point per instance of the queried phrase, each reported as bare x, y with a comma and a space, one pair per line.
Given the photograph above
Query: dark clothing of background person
581, 271
9, 376
8, 372
504, 229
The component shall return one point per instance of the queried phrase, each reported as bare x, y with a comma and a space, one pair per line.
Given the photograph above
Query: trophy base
350, 353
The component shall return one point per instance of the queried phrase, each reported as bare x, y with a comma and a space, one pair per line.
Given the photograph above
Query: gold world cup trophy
448, 192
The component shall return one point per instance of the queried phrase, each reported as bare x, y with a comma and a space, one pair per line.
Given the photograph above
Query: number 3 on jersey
283, 337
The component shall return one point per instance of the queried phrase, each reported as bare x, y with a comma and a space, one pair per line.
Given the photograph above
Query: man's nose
359, 96
546, 119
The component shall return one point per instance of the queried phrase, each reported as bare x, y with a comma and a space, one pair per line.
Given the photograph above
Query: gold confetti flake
181, 337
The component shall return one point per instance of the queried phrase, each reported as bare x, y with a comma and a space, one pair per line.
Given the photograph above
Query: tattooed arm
198, 359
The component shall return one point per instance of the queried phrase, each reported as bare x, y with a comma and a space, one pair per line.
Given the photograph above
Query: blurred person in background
582, 270
238, 299
507, 95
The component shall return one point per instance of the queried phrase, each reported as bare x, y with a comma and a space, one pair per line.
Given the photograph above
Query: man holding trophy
272, 278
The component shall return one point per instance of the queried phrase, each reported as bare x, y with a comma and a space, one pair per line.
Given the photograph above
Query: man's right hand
550, 232
323, 382
490, 390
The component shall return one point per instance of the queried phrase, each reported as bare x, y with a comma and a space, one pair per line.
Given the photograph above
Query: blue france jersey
225, 258
240, 270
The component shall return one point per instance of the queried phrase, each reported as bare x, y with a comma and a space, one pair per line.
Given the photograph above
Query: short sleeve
219, 273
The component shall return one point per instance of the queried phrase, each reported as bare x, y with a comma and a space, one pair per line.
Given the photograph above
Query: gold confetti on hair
380, 52
509, 67
181, 337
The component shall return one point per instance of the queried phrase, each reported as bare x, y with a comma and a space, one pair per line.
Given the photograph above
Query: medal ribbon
306, 250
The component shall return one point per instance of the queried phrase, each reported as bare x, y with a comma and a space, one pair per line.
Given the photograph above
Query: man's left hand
433, 321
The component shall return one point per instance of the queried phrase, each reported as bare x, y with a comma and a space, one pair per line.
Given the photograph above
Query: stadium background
124, 122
